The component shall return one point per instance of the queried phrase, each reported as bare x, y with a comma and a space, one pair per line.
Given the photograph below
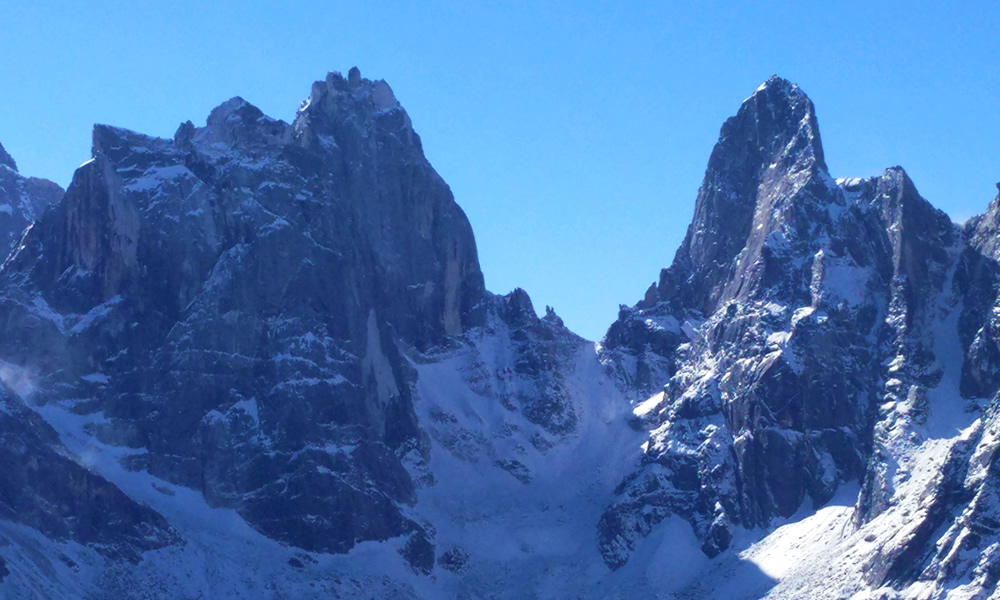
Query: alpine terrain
258, 360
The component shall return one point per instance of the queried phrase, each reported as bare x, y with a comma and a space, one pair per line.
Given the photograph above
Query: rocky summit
258, 360
22, 200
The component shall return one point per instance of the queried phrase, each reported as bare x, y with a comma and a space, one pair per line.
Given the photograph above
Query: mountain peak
335, 87
6, 159
234, 106
354, 77
768, 161
776, 83
781, 119
355, 103
237, 123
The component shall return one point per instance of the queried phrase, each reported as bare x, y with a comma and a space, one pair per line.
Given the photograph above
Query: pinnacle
779, 111
776, 82
351, 98
235, 105
354, 77
781, 92
7, 159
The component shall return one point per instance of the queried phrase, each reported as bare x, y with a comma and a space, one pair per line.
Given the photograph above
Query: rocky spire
772, 240
239, 124
6, 159
777, 120
338, 103
766, 155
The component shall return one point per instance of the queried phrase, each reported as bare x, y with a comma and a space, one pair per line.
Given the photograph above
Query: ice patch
648, 405
154, 177
778, 338
20, 380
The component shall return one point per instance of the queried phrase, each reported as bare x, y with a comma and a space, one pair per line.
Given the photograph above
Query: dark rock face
22, 200
802, 331
978, 279
746, 192
242, 294
42, 488
539, 354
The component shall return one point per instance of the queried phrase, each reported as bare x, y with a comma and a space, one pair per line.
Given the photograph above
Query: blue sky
574, 135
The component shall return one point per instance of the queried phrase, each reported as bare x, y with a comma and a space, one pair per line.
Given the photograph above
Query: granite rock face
235, 302
41, 486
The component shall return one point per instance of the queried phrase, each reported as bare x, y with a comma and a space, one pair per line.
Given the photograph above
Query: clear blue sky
574, 135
